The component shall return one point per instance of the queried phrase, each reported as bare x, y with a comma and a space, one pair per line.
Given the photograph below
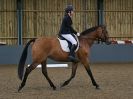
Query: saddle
66, 45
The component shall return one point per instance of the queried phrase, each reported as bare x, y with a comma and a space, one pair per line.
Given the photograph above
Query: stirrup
73, 59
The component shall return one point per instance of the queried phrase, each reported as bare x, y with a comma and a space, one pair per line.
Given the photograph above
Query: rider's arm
69, 25
73, 31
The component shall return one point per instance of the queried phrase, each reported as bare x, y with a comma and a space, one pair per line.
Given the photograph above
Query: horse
49, 47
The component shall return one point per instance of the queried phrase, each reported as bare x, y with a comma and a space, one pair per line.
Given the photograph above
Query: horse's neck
90, 38
93, 36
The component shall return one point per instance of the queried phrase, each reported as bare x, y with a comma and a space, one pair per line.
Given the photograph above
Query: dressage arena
111, 65
115, 80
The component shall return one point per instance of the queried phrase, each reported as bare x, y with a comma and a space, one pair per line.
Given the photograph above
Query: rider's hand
78, 34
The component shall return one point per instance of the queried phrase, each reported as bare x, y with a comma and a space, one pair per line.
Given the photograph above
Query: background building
21, 20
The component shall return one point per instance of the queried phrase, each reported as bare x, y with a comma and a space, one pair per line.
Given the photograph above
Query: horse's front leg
85, 62
74, 68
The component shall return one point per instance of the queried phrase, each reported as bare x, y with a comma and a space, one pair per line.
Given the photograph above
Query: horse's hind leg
44, 71
27, 72
74, 68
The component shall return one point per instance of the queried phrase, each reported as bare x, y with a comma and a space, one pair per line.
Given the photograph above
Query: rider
67, 31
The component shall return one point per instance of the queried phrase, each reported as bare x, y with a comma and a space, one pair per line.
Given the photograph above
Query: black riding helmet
69, 8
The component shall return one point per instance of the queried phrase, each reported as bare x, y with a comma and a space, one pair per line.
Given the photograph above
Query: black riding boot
72, 54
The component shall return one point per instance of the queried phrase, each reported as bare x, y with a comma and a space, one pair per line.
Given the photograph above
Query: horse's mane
89, 30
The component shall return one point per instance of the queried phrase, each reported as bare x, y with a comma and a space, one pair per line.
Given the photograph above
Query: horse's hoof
97, 87
64, 84
19, 89
54, 88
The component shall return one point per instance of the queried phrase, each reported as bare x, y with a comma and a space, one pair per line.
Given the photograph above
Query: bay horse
49, 47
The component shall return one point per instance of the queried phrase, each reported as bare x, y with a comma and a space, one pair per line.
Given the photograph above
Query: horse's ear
102, 25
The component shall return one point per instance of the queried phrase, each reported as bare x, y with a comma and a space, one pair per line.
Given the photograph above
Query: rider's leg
72, 53
70, 38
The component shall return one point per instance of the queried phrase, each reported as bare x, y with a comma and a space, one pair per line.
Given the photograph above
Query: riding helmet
68, 8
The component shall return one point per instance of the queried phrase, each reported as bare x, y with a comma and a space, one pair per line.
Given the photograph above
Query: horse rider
67, 31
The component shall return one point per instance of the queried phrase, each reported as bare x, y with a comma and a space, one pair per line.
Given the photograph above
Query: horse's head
102, 34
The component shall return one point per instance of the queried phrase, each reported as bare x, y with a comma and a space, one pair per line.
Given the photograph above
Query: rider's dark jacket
66, 26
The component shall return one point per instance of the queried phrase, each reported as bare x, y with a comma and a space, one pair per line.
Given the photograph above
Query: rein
83, 37
96, 39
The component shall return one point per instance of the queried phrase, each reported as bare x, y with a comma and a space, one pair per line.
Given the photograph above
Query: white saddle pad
65, 47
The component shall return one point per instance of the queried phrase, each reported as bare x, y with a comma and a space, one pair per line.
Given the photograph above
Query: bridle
99, 39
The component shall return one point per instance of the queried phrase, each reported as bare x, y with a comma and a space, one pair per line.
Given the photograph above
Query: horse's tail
23, 59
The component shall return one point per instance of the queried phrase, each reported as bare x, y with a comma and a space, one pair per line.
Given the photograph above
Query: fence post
100, 12
19, 21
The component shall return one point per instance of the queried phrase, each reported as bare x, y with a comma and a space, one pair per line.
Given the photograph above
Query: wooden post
19, 20
100, 12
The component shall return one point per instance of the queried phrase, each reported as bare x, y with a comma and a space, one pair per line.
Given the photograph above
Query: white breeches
70, 38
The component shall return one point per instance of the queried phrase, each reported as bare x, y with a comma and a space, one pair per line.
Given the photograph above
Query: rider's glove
78, 34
